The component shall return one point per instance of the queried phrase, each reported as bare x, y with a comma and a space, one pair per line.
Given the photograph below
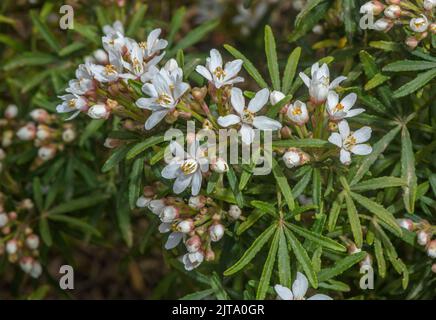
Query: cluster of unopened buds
197, 223
424, 233
18, 240
417, 17
48, 134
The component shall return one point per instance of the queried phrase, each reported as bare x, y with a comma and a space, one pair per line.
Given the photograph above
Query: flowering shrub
289, 186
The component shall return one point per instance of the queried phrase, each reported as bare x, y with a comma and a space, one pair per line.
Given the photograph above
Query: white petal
336, 139
362, 135
337, 81
247, 134
259, 100
215, 59
146, 103
354, 112
361, 149
173, 240
320, 296
300, 285
170, 171
164, 227
348, 101
265, 123
237, 99
323, 71
283, 292
181, 183
344, 129
229, 120
345, 157
204, 72
305, 79
150, 90
332, 101
155, 118
314, 69
232, 68
196, 183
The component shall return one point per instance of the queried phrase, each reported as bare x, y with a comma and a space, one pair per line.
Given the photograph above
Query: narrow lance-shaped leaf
265, 278
283, 184
353, 217
290, 70
341, 266
284, 263
271, 57
408, 170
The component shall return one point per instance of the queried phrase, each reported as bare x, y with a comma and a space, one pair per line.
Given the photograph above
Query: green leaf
409, 65
212, 181
76, 46
353, 217
44, 231
176, 23
199, 295
317, 238
78, 204
290, 70
283, 184
408, 171
317, 189
137, 19
116, 157
265, 278
234, 186
302, 183
341, 266
334, 212
44, 31
271, 58
421, 80
264, 206
377, 149
312, 13
248, 66
378, 183
91, 128
250, 221
301, 143
381, 262
302, 257
376, 81
275, 109
144, 145
378, 210
78, 223
385, 45
37, 193
284, 261
28, 59
251, 252
135, 181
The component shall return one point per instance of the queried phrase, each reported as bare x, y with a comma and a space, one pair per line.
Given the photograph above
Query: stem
183, 107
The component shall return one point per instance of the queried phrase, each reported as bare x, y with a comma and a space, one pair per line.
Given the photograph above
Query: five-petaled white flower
247, 117
299, 289
215, 73
114, 39
153, 45
340, 110
186, 167
110, 72
164, 91
72, 103
319, 85
351, 142
84, 81
297, 112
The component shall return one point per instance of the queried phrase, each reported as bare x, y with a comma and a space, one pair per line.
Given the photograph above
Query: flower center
296, 111
164, 99
339, 107
72, 103
136, 65
349, 142
219, 73
109, 69
247, 117
189, 166
143, 45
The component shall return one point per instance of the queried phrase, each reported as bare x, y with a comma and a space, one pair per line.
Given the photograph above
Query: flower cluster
417, 17
18, 240
424, 233
48, 134
197, 223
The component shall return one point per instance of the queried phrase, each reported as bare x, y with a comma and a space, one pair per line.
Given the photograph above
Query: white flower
173, 239
192, 260
351, 142
68, 135
235, 212
156, 206
26, 264
136, 63
406, 224
114, 39
216, 232
246, 115
169, 214
299, 289
187, 170
84, 81
114, 29
340, 110
297, 112
99, 111
153, 44
214, 72
419, 24
429, 4
72, 103
100, 56
164, 92
319, 85
110, 72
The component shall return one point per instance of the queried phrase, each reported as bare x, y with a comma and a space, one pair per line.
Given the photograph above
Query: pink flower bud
101, 56
169, 214
11, 111
193, 244
406, 224
210, 255
383, 24
429, 5
99, 111
219, 165
433, 268
185, 226
12, 246
40, 115
36, 270
27, 133
197, 202
422, 237
26, 264
292, 158
2, 154
216, 232
412, 42
68, 135
32, 242
44, 132
47, 152
4, 219
431, 249
393, 11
